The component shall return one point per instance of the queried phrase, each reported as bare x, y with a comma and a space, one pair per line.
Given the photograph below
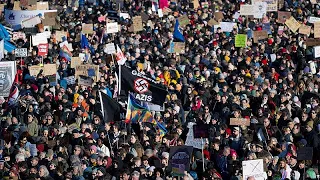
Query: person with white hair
44, 173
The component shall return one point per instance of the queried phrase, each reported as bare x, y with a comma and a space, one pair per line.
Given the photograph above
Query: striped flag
121, 59
14, 95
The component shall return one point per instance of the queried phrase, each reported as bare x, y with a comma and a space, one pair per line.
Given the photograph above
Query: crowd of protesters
211, 82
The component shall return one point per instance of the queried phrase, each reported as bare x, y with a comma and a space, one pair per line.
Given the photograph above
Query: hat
259, 144
75, 105
236, 128
93, 147
75, 131
48, 114
88, 130
94, 156
296, 120
310, 124
65, 97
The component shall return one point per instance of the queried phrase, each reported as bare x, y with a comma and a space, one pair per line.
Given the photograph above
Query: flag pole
203, 169
119, 81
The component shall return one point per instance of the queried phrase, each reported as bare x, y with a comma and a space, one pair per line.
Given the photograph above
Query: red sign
43, 49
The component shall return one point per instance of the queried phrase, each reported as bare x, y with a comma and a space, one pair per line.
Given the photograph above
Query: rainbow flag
146, 116
65, 52
134, 109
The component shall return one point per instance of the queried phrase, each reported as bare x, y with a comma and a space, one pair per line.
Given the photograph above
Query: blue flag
4, 34
8, 46
84, 42
176, 33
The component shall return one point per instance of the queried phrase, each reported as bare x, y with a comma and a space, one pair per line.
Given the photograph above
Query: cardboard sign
75, 61
32, 2
196, 4
239, 122
179, 47
241, 40
112, 28
180, 157
84, 70
293, 24
32, 22
85, 81
49, 19
316, 51
34, 70
312, 42
87, 28
253, 168
259, 9
183, 20
43, 49
283, 16
218, 16
304, 29
212, 22
272, 5
60, 35
42, 6
110, 48
259, 35
246, 10
305, 153
316, 30
21, 52
137, 24
49, 69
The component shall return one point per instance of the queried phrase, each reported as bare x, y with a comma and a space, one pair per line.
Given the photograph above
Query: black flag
142, 86
111, 109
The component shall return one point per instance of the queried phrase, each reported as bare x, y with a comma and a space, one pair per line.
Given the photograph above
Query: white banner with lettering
14, 17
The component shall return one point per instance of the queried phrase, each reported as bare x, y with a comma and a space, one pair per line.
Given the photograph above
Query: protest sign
293, 24
304, 29
180, 157
34, 70
218, 16
43, 49
75, 61
212, 22
160, 13
179, 47
239, 121
316, 51
259, 35
52, 79
272, 5
127, 16
49, 69
42, 6
312, 42
14, 17
85, 81
191, 141
144, 16
49, 19
32, 22
196, 4
87, 28
312, 19
137, 24
21, 52
60, 35
112, 28
246, 10
259, 9
7, 75
183, 20
38, 39
87, 70
241, 40
226, 26
200, 131
253, 168
305, 153
110, 48
283, 16
316, 30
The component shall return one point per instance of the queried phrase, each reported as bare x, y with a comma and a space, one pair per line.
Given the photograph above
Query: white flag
121, 59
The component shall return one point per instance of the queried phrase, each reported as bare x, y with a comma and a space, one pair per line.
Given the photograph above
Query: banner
259, 35
316, 29
43, 49
246, 10
7, 75
293, 24
304, 29
21, 52
283, 16
112, 28
259, 9
14, 17
241, 40
253, 168
110, 48
180, 157
143, 87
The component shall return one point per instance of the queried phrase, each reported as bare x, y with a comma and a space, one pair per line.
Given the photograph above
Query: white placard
31, 22
36, 40
246, 10
160, 13
316, 50
312, 19
259, 9
112, 28
21, 52
125, 15
110, 48
47, 34
225, 26
253, 168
